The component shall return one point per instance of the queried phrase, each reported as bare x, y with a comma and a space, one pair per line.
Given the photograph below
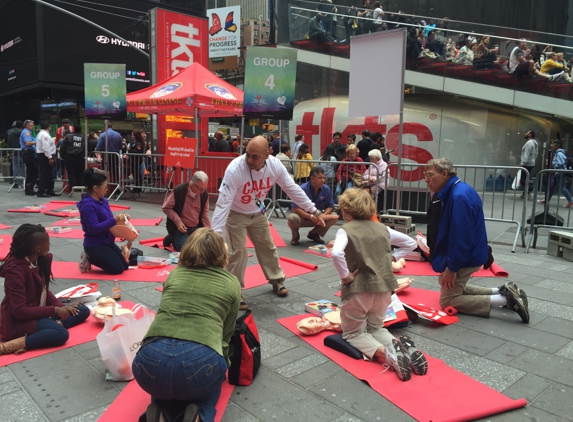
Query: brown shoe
243, 306
279, 288
16, 346
315, 238
294, 241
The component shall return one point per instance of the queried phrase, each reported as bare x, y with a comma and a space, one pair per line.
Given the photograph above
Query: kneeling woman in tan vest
362, 256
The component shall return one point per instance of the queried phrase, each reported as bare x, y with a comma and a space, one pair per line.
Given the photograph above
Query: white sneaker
396, 360
84, 265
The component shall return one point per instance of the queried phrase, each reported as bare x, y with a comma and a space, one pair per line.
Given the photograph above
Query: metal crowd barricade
12, 168
111, 163
549, 216
281, 203
492, 183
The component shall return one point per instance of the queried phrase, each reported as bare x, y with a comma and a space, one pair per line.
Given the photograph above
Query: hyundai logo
102, 39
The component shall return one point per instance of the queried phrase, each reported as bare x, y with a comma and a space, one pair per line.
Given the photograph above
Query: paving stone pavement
296, 383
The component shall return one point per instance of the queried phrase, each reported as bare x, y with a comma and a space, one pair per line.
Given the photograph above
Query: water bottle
500, 183
116, 290
489, 183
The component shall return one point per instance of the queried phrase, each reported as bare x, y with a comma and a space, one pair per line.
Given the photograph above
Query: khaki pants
295, 222
471, 300
362, 316
257, 227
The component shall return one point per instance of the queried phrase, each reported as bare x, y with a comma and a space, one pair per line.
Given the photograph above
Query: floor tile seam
315, 396
531, 404
30, 398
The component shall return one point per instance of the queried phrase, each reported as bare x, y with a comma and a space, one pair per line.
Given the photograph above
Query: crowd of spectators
338, 175
435, 39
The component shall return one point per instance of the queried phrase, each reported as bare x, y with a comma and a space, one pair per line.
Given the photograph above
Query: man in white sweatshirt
528, 156
240, 210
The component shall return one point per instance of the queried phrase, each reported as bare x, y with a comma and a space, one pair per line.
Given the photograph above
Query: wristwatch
317, 212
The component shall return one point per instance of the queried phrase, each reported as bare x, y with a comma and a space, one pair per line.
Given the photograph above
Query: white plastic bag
120, 340
517, 181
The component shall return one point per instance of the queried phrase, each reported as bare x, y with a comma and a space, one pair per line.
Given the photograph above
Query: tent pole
242, 135
197, 136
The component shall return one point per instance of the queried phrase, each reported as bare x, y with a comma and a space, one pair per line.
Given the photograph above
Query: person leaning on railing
375, 177
304, 165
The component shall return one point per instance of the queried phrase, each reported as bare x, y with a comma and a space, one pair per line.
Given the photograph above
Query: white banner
224, 31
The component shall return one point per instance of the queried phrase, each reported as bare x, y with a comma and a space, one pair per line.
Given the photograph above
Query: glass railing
445, 54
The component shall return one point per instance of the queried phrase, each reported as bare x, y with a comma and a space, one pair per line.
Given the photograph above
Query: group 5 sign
105, 90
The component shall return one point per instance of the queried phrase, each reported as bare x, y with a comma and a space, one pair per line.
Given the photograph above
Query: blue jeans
177, 373
51, 334
108, 258
179, 238
562, 185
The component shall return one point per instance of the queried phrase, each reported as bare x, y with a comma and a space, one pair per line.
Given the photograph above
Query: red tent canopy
193, 88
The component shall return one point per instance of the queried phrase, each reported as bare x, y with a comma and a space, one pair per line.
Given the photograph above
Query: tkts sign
179, 41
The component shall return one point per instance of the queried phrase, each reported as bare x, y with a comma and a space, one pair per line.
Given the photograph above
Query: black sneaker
153, 413
521, 293
396, 360
416, 358
191, 413
514, 301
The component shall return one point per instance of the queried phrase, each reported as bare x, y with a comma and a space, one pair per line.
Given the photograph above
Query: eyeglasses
102, 187
201, 190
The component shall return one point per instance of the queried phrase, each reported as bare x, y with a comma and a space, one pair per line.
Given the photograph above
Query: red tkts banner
180, 152
181, 40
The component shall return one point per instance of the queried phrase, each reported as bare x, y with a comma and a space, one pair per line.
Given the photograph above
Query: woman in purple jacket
30, 315
96, 218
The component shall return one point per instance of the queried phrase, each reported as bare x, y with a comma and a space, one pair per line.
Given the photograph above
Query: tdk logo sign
183, 36
102, 39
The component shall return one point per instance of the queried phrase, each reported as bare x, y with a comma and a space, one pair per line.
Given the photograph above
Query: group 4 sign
270, 78
224, 31
105, 90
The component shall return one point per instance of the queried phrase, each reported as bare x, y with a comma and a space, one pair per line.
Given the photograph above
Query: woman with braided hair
30, 315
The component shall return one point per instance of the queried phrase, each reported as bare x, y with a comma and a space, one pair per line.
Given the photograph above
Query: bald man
240, 210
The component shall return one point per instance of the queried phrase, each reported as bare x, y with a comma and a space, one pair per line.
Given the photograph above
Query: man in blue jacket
458, 245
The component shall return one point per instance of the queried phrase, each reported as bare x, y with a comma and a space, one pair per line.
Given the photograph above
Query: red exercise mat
5, 246
134, 221
255, 277
48, 206
445, 393
130, 404
279, 242
424, 268
4, 227
69, 270
82, 333
498, 271
74, 234
66, 214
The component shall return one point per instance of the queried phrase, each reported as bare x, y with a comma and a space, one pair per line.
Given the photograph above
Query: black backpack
569, 162
246, 351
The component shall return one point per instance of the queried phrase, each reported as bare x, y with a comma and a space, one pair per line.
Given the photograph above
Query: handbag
246, 355
120, 340
357, 179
